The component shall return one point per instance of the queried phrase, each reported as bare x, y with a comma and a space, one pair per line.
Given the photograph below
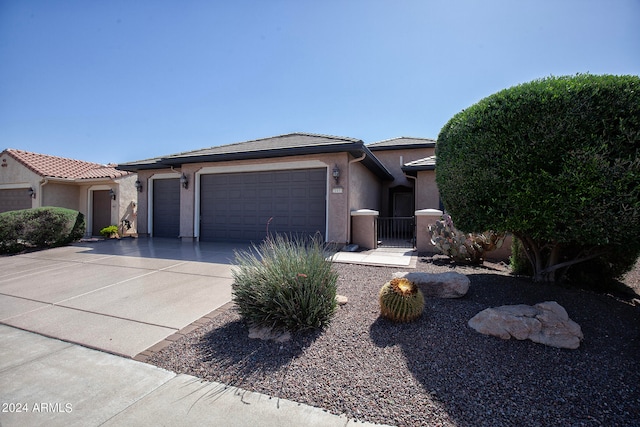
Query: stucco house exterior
104, 194
296, 183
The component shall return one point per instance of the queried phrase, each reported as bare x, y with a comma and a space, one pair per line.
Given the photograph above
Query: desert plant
109, 231
285, 283
463, 247
39, 228
401, 300
556, 162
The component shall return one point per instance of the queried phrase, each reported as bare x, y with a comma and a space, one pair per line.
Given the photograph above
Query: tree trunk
545, 258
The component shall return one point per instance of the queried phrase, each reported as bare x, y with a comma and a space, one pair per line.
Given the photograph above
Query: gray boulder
438, 285
546, 323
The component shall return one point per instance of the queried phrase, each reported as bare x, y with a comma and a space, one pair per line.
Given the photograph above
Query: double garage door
243, 207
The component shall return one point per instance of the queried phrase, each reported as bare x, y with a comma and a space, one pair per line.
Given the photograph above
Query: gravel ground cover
437, 371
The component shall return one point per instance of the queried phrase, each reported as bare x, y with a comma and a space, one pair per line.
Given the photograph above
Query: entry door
101, 211
402, 204
166, 207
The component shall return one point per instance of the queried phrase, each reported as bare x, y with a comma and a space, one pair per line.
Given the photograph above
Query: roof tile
60, 167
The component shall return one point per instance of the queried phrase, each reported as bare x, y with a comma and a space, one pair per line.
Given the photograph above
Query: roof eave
402, 147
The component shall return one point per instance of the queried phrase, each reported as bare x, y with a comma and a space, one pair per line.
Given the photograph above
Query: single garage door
240, 207
14, 199
166, 207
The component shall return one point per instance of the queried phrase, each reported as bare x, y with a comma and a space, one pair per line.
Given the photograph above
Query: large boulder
546, 323
439, 285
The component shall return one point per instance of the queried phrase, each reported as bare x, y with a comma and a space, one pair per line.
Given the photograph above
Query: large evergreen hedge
554, 161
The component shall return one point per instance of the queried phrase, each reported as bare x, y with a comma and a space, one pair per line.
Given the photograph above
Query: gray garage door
166, 208
14, 199
240, 207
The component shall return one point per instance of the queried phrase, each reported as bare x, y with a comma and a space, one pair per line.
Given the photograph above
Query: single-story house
297, 183
104, 194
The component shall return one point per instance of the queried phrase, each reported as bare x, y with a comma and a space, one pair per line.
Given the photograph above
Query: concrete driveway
121, 296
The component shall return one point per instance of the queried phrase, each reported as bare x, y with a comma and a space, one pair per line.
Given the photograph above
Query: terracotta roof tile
60, 167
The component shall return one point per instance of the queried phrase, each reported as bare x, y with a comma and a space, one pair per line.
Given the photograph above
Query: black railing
396, 232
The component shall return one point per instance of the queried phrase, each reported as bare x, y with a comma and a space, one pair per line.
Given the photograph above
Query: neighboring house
104, 194
297, 183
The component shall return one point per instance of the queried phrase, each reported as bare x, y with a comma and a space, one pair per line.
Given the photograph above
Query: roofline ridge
55, 157
403, 137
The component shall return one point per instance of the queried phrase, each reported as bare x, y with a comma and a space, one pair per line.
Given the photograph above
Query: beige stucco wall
64, 195
356, 188
15, 175
126, 203
426, 191
365, 189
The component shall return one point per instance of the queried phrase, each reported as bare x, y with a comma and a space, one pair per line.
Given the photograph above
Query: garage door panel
292, 202
14, 199
166, 207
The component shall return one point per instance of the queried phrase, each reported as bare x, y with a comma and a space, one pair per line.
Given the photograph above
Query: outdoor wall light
336, 173
184, 181
138, 185
31, 192
112, 194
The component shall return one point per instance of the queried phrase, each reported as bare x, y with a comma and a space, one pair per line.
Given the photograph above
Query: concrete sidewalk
47, 382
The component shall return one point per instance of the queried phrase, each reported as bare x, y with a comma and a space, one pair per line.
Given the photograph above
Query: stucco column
363, 228
424, 218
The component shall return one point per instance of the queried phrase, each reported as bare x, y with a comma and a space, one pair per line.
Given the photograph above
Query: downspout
43, 182
356, 160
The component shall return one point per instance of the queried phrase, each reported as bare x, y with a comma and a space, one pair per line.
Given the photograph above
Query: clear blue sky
117, 81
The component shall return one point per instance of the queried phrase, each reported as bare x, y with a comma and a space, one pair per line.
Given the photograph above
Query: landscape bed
436, 371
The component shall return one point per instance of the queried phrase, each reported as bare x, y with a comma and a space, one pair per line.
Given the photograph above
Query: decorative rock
439, 285
264, 333
545, 323
341, 299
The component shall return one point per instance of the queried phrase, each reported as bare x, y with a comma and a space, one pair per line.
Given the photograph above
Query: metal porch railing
396, 232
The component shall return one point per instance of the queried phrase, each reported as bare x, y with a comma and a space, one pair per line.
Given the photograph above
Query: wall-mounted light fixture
138, 185
31, 192
336, 173
184, 181
112, 194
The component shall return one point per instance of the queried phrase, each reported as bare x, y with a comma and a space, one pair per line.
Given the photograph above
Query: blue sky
117, 81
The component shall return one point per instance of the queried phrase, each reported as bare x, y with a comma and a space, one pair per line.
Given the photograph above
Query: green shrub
109, 231
556, 162
518, 260
285, 284
39, 228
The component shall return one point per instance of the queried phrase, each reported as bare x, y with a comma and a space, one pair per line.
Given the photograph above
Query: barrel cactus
401, 300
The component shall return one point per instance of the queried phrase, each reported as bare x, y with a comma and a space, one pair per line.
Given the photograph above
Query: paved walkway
388, 257
125, 297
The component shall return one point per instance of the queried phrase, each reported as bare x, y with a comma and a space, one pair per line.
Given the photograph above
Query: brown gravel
437, 371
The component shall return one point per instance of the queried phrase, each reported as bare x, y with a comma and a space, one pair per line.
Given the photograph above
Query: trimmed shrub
285, 284
39, 228
556, 162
